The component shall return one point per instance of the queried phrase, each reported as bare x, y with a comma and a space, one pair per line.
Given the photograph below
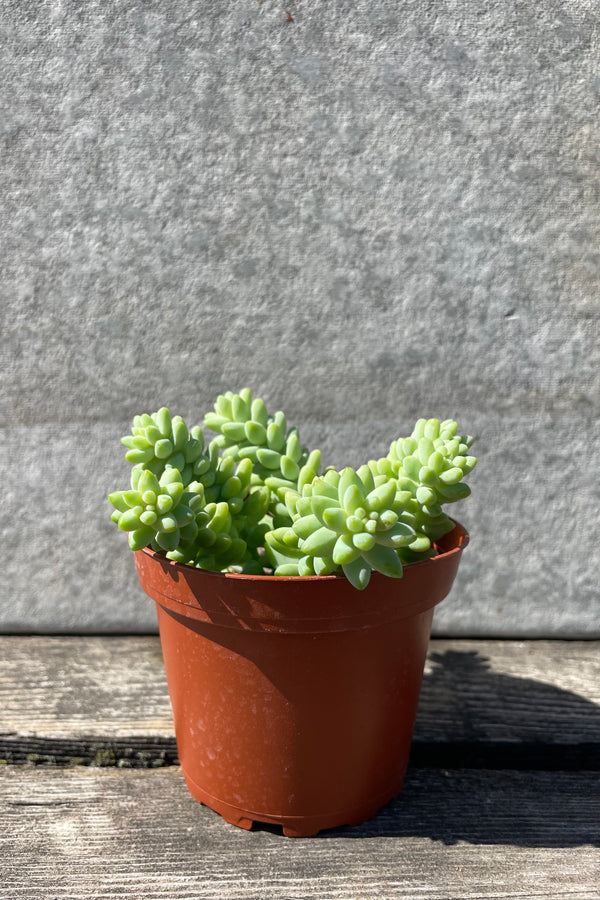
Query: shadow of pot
294, 699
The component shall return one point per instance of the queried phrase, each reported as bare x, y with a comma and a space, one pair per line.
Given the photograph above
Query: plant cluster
254, 499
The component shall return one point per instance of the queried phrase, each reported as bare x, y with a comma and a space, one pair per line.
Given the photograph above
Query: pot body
294, 699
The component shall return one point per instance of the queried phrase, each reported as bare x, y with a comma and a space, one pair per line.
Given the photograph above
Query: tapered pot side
294, 699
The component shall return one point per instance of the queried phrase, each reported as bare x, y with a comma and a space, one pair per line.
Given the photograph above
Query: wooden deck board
93, 833
525, 704
502, 800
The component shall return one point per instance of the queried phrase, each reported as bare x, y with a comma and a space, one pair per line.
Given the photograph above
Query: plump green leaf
452, 476
305, 566
425, 495
259, 412
412, 467
324, 565
118, 501
163, 422
163, 449
130, 519
334, 518
420, 543
221, 519
292, 446
358, 573
214, 421
255, 432
400, 535
452, 492
366, 476
140, 538
139, 456
344, 551
275, 436
148, 482
432, 429
164, 502
240, 410
234, 431
287, 570
320, 543
352, 499
384, 560
363, 541
382, 497
268, 458
289, 468
168, 540
306, 525
175, 490
167, 523
256, 504
180, 433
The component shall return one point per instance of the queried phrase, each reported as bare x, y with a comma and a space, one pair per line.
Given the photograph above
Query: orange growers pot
294, 699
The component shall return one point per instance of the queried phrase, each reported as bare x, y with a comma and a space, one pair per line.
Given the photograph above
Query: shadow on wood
539, 744
490, 719
523, 809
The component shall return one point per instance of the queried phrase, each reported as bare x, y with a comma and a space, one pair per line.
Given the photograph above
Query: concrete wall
364, 211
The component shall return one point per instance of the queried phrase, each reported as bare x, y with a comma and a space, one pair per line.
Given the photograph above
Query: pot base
293, 826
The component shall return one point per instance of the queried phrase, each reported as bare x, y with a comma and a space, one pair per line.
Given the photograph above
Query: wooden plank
512, 690
104, 700
522, 704
86, 834
66, 687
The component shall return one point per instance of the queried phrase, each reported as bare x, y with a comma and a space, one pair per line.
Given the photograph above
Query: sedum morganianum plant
254, 501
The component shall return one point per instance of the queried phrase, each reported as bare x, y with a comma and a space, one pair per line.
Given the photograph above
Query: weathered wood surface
86, 834
503, 704
502, 799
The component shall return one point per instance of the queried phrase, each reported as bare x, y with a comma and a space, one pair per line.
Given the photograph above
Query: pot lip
463, 538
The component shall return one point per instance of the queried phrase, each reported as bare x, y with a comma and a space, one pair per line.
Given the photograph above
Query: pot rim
294, 604
458, 547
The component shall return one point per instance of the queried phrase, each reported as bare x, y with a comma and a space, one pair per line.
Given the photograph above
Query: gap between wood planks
103, 702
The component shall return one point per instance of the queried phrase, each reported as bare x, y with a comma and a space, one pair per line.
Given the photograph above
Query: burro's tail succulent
253, 501
430, 466
157, 511
349, 519
247, 431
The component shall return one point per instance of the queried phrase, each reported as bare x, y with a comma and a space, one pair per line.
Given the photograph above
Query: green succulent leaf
320, 543
358, 573
334, 518
140, 538
254, 496
118, 501
344, 551
382, 497
384, 560
306, 525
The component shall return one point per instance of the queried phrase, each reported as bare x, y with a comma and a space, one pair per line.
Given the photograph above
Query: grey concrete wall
364, 211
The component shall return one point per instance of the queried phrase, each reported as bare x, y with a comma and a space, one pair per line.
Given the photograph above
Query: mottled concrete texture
365, 211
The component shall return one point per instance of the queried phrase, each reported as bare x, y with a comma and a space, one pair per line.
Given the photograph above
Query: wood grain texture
86, 834
105, 700
89, 832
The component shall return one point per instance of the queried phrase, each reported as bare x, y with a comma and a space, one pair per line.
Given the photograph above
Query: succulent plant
157, 441
355, 520
157, 512
246, 430
430, 464
253, 500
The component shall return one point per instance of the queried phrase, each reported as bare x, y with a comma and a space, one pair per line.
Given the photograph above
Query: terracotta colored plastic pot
294, 699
